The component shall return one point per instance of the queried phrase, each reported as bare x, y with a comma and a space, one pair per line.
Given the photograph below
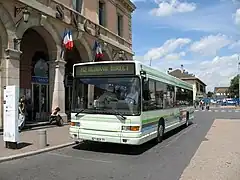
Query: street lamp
24, 11
120, 53
16, 42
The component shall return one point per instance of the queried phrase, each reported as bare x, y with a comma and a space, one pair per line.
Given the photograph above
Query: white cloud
235, 45
168, 47
216, 18
216, 72
170, 7
209, 46
237, 17
174, 56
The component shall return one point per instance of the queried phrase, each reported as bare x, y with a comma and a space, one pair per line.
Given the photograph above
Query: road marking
74, 157
230, 111
182, 133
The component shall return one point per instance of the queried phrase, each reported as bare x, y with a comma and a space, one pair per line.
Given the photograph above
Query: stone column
57, 89
12, 68
10, 73
51, 82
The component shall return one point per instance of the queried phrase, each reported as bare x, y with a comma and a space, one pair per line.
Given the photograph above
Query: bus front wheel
160, 132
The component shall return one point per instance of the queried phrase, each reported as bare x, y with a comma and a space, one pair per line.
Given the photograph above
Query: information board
105, 69
10, 127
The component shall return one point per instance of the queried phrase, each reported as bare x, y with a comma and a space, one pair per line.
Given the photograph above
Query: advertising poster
183, 115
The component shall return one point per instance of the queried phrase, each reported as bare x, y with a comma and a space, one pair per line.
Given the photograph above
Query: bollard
42, 135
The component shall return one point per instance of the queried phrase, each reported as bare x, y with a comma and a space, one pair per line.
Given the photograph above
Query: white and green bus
127, 102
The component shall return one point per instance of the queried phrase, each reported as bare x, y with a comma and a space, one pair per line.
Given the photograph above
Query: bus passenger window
146, 93
149, 95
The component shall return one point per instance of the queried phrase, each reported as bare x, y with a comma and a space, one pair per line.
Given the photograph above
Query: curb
32, 153
36, 127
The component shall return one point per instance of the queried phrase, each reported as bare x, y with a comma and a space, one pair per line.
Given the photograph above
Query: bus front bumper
122, 138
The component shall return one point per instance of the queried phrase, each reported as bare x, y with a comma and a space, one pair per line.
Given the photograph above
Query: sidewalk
218, 156
56, 136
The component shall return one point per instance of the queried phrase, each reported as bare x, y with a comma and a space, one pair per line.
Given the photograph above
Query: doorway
68, 97
40, 100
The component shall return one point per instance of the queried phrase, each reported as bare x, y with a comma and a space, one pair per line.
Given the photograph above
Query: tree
209, 94
234, 87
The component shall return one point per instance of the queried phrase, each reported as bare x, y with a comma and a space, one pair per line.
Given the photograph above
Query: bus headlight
130, 128
75, 123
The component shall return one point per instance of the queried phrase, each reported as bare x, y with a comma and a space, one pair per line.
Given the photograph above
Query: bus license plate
98, 139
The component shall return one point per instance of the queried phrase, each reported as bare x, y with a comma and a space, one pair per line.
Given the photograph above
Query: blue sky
200, 34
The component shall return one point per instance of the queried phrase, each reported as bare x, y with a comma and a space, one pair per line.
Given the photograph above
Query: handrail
83, 18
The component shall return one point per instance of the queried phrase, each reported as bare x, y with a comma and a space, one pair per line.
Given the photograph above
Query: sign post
10, 131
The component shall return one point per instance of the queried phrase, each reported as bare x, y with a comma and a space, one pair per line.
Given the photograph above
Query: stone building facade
31, 42
199, 87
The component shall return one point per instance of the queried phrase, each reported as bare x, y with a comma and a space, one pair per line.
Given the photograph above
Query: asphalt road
165, 161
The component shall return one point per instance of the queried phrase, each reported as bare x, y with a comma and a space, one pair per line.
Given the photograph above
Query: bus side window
146, 92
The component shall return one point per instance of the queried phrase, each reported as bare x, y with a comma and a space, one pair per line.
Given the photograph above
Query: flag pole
62, 54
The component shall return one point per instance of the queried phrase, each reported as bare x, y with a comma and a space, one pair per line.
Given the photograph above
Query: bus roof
157, 73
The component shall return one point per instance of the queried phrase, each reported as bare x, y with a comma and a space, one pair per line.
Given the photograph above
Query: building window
201, 88
120, 24
197, 85
101, 13
77, 5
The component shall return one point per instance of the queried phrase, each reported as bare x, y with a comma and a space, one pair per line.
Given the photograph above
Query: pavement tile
29, 140
218, 155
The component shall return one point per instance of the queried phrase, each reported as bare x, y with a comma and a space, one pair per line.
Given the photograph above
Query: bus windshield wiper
118, 113
82, 110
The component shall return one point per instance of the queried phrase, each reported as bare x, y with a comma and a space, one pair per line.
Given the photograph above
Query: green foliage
234, 87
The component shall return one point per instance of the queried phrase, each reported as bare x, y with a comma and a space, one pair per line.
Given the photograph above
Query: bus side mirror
145, 79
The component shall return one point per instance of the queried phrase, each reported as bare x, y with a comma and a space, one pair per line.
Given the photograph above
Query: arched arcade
34, 71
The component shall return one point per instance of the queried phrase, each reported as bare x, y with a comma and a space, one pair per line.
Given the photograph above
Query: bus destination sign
105, 69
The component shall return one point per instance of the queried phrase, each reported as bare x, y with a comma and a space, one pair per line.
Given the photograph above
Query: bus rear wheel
160, 132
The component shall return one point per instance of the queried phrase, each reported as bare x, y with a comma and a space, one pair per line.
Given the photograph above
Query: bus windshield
107, 95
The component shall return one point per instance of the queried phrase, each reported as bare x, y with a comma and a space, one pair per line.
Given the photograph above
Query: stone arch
6, 25
46, 30
84, 49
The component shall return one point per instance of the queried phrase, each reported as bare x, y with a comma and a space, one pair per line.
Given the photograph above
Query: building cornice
117, 41
193, 78
128, 4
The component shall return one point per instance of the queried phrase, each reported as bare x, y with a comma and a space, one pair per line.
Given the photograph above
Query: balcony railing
48, 7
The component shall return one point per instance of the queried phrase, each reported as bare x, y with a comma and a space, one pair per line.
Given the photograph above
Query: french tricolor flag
67, 39
67, 42
98, 50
